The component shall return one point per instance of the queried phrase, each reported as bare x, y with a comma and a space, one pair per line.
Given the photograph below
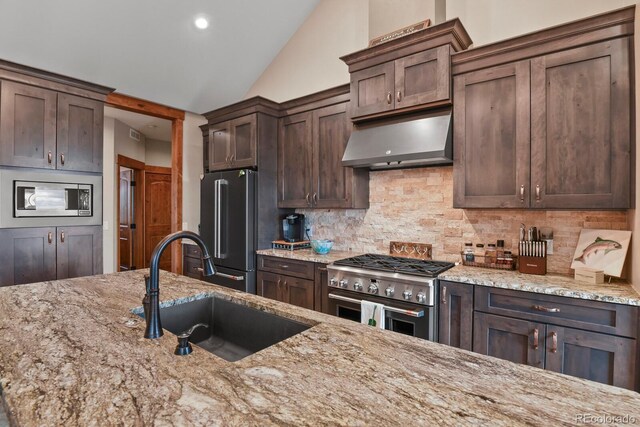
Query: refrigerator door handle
216, 214
221, 182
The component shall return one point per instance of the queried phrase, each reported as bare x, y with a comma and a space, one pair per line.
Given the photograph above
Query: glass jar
508, 259
468, 253
491, 254
500, 249
479, 255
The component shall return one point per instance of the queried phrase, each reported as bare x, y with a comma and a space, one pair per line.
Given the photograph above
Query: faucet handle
184, 346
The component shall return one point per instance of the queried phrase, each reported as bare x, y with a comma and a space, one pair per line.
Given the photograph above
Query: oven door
409, 319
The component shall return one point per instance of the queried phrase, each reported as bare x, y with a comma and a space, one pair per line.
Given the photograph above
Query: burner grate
388, 263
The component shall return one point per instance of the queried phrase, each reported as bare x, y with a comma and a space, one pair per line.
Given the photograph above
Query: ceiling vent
134, 134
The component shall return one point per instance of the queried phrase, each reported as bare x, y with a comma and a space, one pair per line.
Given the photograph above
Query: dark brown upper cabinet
50, 121
405, 74
237, 134
544, 120
311, 144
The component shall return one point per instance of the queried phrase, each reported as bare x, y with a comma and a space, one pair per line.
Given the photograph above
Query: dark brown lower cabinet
516, 340
47, 253
598, 357
455, 314
287, 289
321, 280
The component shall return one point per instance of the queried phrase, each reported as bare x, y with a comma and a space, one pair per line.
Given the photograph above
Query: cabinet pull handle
50, 237
389, 98
537, 193
226, 160
554, 342
279, 280
62, 158
315, 198
322, 268
62, 237
232, 158
399, 96
535, 338
308, 199
50, 157
444, 295
522, 193
284, 266
545, 309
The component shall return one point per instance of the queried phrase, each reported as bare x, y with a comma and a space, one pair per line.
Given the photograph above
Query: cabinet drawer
191, 266
287, 266
564, 311
191, 251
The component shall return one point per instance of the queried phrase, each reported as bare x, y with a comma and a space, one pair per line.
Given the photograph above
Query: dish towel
372, 313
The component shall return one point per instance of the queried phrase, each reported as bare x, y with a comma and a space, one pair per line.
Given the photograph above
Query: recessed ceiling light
201, 22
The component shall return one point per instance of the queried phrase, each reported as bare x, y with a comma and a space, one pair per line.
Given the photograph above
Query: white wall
126, 145
157, 153
309, 61
191, 171
386, 16
489, 21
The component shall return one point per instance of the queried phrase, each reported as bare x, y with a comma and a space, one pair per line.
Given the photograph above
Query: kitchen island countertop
72, 353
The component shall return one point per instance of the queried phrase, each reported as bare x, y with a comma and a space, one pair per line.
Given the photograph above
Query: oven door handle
411, 313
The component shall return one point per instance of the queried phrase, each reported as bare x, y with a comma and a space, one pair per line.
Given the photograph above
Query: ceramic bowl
321, 246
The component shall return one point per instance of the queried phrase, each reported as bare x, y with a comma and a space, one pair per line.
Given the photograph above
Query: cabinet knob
50, 237
537, 193
50, 157
399, 96
62, 159
554, 342
536, 335
389, 99
522, 193
62, 237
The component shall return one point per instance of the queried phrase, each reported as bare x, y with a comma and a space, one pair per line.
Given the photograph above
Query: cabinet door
510, 339
27, 126
79, 251
491, 137
243, 142
80, 125
372, 90
269, 285
598, 357
298, 292
28, 255
219, 146
580, 127
294, 161
321, 283
455, 315
332, 182
422, 78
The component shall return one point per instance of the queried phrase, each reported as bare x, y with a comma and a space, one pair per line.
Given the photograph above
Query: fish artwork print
598, 247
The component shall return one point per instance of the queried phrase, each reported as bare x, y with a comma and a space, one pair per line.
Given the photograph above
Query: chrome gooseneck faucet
151, 300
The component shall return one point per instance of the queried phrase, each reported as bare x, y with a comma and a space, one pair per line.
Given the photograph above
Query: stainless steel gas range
405, 286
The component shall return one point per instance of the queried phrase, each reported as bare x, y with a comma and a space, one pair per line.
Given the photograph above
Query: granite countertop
72, 353
550, 284
309, 255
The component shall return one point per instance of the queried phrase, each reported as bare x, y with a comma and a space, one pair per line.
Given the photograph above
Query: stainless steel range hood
420, 141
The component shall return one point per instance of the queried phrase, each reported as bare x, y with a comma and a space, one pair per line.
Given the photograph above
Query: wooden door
455, 314
423, 78
243, 142
219, 146
598, 357
157, 214
580, 127
125, 233
372, 90
79, 251
332, 183
491, 117
516, 340
298, 292
295, 161
269, 285
28, 255
80, 125
27, 126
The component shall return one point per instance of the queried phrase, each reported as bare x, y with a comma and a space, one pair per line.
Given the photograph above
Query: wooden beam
128, 162
157, 169
137, 105
176, 192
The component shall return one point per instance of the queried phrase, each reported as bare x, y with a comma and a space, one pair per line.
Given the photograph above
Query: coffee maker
293, 228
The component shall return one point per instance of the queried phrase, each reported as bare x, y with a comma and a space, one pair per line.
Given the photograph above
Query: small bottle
490, 254
500, 248
468, 252
508, 259
480, 252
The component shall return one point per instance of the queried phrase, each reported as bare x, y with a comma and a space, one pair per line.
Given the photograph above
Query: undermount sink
235, 331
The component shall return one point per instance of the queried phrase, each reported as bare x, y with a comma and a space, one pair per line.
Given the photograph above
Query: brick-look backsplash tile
416, 205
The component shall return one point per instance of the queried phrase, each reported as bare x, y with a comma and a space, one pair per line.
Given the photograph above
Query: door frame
138, 176
141, 106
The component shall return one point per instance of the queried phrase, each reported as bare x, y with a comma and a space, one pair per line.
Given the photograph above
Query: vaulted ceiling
151, 49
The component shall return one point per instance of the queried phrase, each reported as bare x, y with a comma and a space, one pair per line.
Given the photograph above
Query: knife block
532, 265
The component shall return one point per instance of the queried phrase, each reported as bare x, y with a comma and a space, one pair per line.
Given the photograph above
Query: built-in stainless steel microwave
52, 199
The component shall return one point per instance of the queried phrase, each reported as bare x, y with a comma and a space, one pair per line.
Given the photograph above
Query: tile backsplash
415, 205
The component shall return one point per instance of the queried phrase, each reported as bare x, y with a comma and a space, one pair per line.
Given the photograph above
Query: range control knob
333, 281
373, 288
357, 286
389, 291
421, 298
343, 283
407, 295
